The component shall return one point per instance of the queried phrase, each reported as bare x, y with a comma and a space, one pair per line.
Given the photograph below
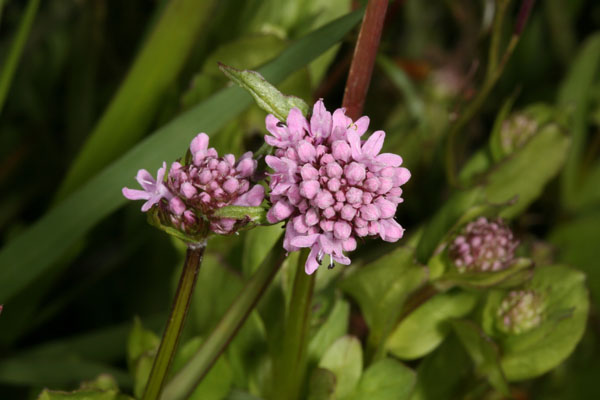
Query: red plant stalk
363, 59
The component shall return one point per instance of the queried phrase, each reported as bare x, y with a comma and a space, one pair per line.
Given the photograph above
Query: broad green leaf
344, 359
58, 229
519, 269
265, 94
334, 327
576, 243
541, 349
133, 107
445, 219
441, 374
575, 94
484, 353
524, 175
497, 150
426, 327
216, 384
239, 395
257, 244
382, 287
387, 379
322, 385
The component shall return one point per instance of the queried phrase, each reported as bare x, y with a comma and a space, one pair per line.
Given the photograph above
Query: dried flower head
330, 186
519, 312
192, 192
483, 246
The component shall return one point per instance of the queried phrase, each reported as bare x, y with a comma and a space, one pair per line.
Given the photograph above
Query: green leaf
257, 244
133, 107
575, 94
387, 379
445, 219
524, 175
426, 327
484, 353
322, 385
541, 349
334, 327
58, 229
256, 215
576, 243
103, 388
519, 271
344, 358
265, 94
533, 353
402, 82
382, 287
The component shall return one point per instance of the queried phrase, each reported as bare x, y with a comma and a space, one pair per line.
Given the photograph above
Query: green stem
16, 49
170, 339
184, 382
500, 11
291, 366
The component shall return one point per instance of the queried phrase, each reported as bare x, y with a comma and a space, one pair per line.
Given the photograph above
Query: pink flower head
206, 184
331, 186
483, 245
154, 190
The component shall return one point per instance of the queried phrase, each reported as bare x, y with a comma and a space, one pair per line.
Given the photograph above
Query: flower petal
373, 145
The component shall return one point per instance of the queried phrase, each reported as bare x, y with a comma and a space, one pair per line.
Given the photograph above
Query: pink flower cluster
331, 186
206, 184
483, 246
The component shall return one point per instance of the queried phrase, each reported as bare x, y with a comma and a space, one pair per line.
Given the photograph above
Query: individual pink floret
331, 186
154, 190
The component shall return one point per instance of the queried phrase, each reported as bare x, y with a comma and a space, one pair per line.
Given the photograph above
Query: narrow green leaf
387, 379
35, 250
16, 49
344, 359
257, 243
133, 107
484, 353
426, 327
140, 341
402, 82
265, 94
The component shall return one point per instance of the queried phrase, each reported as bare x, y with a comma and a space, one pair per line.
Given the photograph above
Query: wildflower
194, 191
519, 312
483, 246
331, 187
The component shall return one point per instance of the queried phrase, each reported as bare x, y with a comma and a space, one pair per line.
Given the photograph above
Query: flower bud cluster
519, 312
330, 186
192, 192
483, 246
517, 130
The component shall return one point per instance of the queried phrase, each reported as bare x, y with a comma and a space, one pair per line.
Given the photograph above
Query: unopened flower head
516, 131
519, 312
194, 191
483, 246
330, 186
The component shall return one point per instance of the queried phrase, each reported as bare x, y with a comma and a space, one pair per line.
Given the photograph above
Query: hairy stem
290, 368
363, 59
170, 339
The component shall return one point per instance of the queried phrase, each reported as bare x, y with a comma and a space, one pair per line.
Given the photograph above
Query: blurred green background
95, 79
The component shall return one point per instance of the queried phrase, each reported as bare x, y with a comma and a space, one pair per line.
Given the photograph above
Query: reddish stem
363, 60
